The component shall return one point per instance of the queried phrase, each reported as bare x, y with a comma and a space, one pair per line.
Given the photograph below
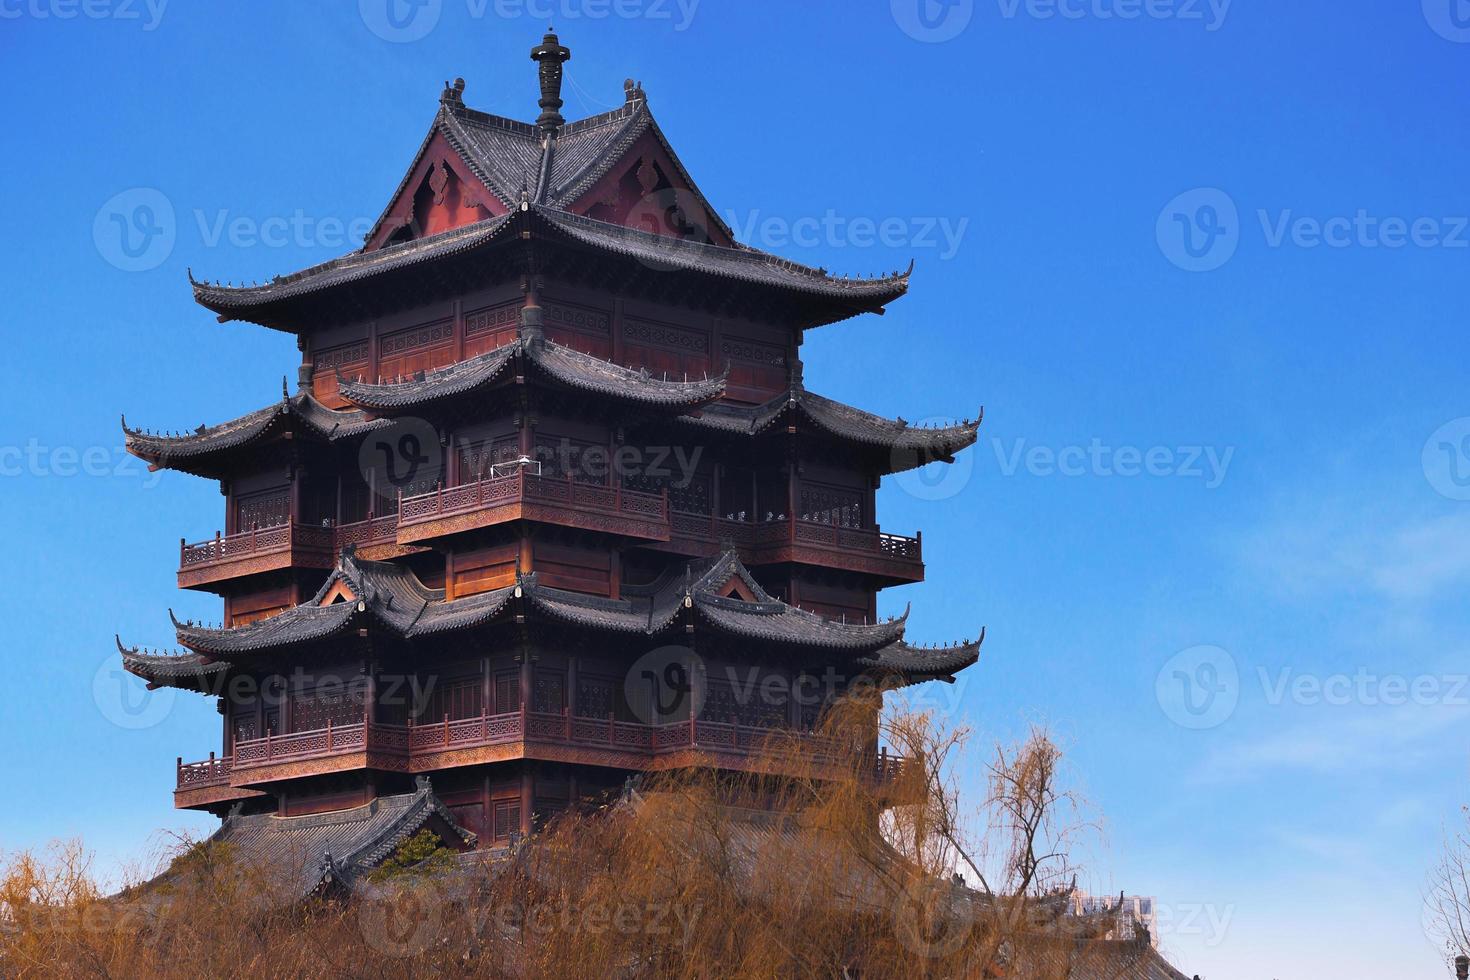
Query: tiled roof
740, 263
563, 364
909, 445
195, 451
307, 853
915, 663
393, 596
389, 594
455, 379
182, 670
349, 268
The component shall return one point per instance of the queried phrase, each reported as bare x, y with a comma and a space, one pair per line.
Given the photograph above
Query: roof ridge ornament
550, 55
453, 95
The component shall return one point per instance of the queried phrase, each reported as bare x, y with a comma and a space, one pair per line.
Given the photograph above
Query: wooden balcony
267, 549
526, 496
492, 738
375, 538
892, 557
200, 784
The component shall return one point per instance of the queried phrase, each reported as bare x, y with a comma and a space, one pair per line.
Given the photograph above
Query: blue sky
1202, 264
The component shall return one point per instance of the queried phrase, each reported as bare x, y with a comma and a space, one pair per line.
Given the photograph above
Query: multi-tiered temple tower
550, 505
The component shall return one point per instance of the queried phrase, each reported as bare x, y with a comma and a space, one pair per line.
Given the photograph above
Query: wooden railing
422, 741
256, 541
526, 487
197, 775
362, 534
756, 534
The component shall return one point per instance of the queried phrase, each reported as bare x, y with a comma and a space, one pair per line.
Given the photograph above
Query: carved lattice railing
257, 541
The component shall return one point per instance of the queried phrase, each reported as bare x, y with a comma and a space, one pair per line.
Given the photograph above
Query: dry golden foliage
824, 871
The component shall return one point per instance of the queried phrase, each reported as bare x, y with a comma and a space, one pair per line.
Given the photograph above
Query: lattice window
720, 703
832, 505
507, 692
562, 456
475, 459
313, 710
456, 699
506, 820
693, 497
548, 694
269, 509
245, 728
595, 698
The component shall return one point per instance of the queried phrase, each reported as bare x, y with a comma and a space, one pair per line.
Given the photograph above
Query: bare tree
1447, 898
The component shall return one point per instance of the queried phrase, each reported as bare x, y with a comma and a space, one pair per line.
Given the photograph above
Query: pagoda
550, 505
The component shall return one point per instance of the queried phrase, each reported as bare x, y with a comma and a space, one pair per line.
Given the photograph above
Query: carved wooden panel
485, 569
579, 327
757, 370
421, 348
351, 359
579, 569
491, 327
663, 348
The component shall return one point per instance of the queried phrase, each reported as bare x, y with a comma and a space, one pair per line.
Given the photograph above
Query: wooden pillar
370, 695
615, 574
793, 495
717, 475
617, 330
572, 665
527, 798
373, 363
487, 693
526, 682
226, 745
456, 312
298, 477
